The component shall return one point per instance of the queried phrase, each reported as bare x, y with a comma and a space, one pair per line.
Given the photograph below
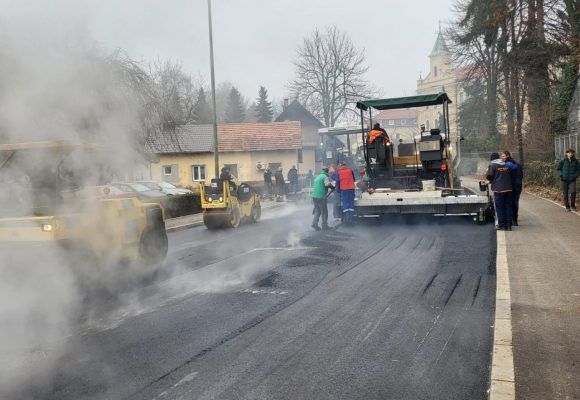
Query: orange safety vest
375, 133
346, 178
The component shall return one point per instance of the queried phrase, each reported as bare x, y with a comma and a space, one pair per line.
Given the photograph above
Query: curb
200, 223
184, 226
502, 368
503, 385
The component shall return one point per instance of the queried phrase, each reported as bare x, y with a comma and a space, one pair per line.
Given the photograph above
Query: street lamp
215, 134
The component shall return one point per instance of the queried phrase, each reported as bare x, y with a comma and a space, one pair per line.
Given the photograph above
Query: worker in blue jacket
499, 176
517, 174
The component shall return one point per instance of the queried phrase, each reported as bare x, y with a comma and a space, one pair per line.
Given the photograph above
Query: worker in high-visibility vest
346, 184
322, 184
378, 132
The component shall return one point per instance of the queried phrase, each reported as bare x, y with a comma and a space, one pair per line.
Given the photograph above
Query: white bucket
428, 185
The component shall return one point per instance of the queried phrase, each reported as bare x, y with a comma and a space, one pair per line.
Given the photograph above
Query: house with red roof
311, 149
184, 155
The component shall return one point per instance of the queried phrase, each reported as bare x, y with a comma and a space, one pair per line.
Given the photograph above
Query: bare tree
176, 92
139, 93
329, 75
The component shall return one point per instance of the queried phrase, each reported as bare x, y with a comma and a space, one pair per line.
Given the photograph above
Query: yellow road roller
51, 200
225, 204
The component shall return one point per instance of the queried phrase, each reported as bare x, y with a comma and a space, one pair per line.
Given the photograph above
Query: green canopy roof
404, 102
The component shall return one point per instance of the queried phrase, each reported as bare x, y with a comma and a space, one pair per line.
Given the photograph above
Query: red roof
260, 136
404, 113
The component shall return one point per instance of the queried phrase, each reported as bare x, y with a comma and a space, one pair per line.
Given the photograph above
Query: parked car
165, 187
110, 191
142, 191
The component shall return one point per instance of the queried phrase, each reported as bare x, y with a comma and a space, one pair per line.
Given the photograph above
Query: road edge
184, 226
200, 222
502, 385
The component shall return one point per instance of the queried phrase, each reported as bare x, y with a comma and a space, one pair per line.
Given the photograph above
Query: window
233, 169
274, 166
403, 122
435, 71
391, 122
198, 173
170, 173
427, 127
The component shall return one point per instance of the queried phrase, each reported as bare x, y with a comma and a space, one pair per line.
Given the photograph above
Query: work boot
316, 227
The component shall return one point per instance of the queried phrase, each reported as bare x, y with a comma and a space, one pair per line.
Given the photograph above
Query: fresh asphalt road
274, 310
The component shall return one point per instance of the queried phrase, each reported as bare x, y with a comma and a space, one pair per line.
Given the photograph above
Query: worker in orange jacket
378, 132
346, 183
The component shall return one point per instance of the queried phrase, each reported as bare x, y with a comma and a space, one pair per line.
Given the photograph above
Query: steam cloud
55, 84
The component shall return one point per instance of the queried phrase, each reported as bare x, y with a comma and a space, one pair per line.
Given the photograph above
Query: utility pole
215, 134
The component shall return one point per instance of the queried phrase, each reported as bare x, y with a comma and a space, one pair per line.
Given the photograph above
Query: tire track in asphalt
247, 326
457, 282
369, 256
273, 310
391, 265
429, 284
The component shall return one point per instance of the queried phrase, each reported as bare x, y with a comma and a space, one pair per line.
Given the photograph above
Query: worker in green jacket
322, 183
569, 169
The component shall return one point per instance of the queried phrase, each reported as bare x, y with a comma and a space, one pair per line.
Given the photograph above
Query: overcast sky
255, 40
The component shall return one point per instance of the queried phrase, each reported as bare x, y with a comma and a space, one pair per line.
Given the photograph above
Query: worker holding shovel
322, 183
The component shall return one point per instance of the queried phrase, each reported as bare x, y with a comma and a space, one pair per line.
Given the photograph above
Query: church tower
442, 77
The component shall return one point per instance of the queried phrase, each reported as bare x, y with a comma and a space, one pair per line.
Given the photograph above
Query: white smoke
55, 84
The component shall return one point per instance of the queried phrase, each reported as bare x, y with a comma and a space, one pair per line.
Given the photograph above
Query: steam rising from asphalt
221, 269
55, 84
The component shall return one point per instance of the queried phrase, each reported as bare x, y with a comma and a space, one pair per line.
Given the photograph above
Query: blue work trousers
503, 208
347, 197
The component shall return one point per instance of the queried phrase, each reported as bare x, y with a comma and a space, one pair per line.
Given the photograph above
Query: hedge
185, 204
541, 173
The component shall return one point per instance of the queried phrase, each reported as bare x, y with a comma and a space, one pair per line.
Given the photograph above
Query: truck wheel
234, 220
153, 246
256, 213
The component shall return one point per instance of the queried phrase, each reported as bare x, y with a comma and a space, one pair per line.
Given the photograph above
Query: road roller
225, 204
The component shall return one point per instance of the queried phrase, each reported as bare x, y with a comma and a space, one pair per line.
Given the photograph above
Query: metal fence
563, 142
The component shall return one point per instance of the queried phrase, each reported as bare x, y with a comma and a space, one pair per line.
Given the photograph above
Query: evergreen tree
202, 112
235, 110
472, 113
264, 112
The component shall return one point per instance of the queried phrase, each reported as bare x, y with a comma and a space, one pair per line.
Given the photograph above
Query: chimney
285, 106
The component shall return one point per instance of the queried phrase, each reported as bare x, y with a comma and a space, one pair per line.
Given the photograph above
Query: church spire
440, 48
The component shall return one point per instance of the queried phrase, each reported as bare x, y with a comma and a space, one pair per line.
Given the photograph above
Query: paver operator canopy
419, 177
432, 158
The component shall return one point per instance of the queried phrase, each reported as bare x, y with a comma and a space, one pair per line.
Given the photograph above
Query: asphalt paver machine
424, 180
225, 203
